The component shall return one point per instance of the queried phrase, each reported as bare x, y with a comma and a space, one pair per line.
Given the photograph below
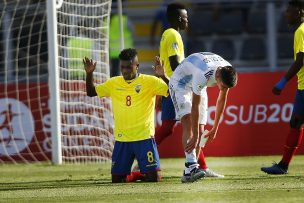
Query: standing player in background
295, 16
171, 54
133, 101
188, 89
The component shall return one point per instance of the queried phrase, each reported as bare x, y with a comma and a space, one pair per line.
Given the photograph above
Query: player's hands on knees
89, 65
191, 144
276, 91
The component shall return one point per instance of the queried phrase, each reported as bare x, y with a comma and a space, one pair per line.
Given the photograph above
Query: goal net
25, 106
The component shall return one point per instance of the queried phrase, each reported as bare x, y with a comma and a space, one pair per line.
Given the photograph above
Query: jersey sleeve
172, 45
199, 82
299, 41
104, 89
159, 86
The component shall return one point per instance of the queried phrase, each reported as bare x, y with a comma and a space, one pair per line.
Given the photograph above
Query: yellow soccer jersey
133, 105
299, 47
171, 44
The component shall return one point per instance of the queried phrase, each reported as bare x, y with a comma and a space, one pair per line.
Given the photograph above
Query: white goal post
45, 114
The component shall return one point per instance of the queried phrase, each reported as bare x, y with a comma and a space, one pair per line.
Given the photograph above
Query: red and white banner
24, 123
255, 121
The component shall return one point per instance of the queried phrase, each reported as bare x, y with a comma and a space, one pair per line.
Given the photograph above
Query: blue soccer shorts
168, 111
124, 153
298, 105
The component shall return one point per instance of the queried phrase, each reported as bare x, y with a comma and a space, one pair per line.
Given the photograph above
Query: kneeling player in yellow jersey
133, 101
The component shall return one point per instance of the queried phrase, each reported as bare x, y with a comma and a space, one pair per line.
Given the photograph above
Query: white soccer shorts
182, 101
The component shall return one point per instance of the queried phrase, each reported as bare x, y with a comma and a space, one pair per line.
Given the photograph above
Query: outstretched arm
220, 106
292, 71
89, 67
159, 69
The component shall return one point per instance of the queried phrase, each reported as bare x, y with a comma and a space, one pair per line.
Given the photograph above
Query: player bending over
187, 87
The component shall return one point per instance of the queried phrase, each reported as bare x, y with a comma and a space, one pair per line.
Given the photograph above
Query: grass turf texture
243, 182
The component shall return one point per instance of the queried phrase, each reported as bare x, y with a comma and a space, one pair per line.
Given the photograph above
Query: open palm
89, 65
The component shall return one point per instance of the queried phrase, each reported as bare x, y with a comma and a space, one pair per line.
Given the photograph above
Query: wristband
281, 84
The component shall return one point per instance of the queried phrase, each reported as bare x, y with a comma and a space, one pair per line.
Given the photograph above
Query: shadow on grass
66, 183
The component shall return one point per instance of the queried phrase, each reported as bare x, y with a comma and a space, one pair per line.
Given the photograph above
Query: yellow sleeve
160, 87
172, 45
299, 41
104, 89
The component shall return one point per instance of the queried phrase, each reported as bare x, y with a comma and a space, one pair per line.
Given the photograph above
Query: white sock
191, 157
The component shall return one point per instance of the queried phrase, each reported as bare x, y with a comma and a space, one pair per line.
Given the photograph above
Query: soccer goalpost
45, 114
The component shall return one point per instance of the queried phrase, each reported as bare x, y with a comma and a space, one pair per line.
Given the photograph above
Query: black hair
127, 54
228, 76
297, 3
173, 10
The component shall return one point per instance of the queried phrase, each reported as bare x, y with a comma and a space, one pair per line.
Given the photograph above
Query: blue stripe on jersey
184, 81
197, 62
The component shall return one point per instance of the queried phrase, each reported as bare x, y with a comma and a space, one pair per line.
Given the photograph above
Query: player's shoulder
149, 78
300, 29
170, 32
115, 79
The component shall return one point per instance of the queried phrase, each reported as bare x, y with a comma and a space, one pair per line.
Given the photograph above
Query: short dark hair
228, 76
127, 54
173, 10
297, 3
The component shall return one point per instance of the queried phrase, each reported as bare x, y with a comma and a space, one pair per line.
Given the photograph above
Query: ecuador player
133, 101
295, 17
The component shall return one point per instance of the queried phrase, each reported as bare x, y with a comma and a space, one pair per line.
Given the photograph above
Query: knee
118, 179
153, 177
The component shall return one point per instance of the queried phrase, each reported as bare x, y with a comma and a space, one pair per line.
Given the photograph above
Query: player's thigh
122, 158
147, 155
168, 110
203, 108
297, 118
182, 101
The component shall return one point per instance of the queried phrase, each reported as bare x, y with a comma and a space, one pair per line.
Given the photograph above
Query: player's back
200, 65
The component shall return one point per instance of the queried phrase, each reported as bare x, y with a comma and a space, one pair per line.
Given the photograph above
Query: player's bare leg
191, 172
201, 159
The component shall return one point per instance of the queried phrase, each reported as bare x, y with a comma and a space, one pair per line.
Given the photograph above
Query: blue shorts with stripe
168, 111
124, 153
298, 105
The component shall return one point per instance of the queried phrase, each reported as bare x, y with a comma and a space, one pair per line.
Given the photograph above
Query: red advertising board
24, 123
255, 122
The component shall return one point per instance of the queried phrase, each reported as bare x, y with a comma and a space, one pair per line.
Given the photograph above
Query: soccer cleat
211, 174
192, 174
275, 169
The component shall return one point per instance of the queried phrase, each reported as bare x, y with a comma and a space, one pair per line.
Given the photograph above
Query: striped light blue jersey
197, 71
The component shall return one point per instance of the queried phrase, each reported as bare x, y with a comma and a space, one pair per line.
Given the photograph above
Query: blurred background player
159, 21
188, 85
295, 17
171, 54
133, 100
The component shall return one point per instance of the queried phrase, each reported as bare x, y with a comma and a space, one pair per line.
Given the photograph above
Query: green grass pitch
243, 182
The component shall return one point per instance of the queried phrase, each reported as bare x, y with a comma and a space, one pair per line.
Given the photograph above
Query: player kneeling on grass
187, 87
133, 101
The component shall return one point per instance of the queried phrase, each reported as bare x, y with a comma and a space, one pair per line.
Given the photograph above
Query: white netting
87, 124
